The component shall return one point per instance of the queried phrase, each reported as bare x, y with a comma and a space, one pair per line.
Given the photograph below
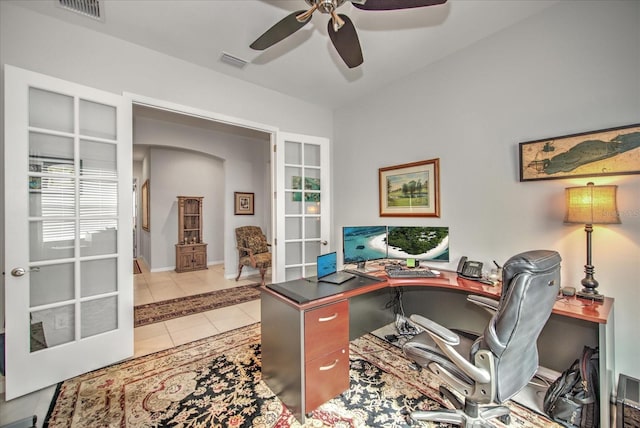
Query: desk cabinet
305, 352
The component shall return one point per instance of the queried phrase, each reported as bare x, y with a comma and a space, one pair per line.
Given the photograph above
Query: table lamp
591, 205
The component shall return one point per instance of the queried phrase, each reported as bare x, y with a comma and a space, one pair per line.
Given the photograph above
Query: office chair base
462, 419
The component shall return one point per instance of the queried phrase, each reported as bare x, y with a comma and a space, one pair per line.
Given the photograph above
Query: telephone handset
469, 269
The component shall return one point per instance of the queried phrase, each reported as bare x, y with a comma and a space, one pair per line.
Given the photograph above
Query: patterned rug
182, 306
216, 382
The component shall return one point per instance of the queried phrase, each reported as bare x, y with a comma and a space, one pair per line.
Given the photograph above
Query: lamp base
590, 294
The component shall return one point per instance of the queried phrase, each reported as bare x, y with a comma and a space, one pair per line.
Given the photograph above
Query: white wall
574, 68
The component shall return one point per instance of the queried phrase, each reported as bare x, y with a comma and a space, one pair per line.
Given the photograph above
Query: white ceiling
305, 65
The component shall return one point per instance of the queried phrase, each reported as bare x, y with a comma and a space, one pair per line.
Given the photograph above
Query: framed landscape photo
145, 205
410, 190
613, 151
243, 203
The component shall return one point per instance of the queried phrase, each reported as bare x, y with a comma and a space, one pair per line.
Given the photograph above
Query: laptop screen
327, 264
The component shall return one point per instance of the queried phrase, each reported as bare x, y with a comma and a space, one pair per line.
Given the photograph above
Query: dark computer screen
421, 243
363, 243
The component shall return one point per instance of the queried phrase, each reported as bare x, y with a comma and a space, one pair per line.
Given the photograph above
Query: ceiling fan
340, 28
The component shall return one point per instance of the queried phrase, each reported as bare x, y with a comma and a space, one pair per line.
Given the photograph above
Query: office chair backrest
531, 282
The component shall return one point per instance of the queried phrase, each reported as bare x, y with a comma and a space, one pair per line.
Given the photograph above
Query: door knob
18, 271
324, 242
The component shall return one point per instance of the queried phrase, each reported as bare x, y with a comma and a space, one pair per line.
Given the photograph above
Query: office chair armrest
430, 326
446, 340
487, 303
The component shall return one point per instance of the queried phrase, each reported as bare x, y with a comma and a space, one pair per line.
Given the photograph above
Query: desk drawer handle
325, 319
329, 367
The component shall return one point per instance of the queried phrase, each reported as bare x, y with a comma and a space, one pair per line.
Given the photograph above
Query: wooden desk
305, 346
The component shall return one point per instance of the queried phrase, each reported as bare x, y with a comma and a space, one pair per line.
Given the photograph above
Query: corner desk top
573, 307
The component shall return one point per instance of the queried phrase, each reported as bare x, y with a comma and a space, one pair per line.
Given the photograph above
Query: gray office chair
496, 365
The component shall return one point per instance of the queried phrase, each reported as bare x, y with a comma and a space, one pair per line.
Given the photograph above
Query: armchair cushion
256, 243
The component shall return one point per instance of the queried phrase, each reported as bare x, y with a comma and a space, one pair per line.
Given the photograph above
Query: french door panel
68, 246
303, 204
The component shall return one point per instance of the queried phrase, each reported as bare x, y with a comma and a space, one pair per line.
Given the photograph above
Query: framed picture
145, 206
244, 203
410, 190
613, 151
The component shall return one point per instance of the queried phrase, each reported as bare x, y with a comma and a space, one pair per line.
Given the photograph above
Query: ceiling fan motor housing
326, 6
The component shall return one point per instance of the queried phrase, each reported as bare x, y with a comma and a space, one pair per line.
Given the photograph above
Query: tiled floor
153, 287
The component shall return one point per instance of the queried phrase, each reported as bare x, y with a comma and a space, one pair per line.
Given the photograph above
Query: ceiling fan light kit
341, 30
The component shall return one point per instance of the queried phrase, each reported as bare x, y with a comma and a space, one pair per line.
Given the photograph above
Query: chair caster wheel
505, 419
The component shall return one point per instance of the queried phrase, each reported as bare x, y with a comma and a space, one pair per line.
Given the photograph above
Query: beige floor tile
225, 319
251, 308
149, 331
167, 293
142, 296
151, 345
190, 321
190, 334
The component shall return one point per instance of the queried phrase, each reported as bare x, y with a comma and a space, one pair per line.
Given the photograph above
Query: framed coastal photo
243, 203
613, 151
410, 190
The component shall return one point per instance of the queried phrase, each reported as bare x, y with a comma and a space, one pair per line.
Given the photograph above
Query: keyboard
404, 273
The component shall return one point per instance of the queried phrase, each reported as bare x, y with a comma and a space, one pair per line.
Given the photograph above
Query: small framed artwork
145, 205
410, 190
243, 203
613, 151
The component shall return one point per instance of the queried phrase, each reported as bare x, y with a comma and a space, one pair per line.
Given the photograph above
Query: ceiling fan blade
346, 42
281, 30
395, 4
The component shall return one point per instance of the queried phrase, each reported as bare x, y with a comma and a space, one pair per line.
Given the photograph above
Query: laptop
327, 269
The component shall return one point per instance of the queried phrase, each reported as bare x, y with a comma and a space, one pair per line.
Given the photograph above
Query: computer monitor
420, 243
363, 243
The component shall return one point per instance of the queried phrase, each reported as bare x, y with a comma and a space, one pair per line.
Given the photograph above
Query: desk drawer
326, 377
326, 329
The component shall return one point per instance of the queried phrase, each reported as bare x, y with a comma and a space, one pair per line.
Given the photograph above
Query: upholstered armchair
491, 368
253, 250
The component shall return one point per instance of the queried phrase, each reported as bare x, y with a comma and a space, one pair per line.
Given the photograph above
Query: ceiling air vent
233, 60
90, 8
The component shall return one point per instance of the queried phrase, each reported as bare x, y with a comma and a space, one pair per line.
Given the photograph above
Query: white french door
68, 245
302, 204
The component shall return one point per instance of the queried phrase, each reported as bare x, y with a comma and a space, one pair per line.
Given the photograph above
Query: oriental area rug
217, 382
182, 306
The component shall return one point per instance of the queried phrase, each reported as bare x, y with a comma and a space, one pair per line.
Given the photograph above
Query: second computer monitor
420, 243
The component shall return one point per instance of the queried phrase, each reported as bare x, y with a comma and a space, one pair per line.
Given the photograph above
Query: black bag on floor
573, 398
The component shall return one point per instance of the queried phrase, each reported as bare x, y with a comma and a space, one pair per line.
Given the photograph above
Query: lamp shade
591, 204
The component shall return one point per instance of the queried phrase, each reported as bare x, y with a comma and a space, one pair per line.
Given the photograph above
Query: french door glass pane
50, 154
98, 159
98, 316
292, 203
98, 277
293, 228
312, 227
53, 326
51, 239
97, 120
49, 110
291, 273
50, 284
51, 197
98, 198
294, 253
312, 251
312, 155
98, 236
293, 153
